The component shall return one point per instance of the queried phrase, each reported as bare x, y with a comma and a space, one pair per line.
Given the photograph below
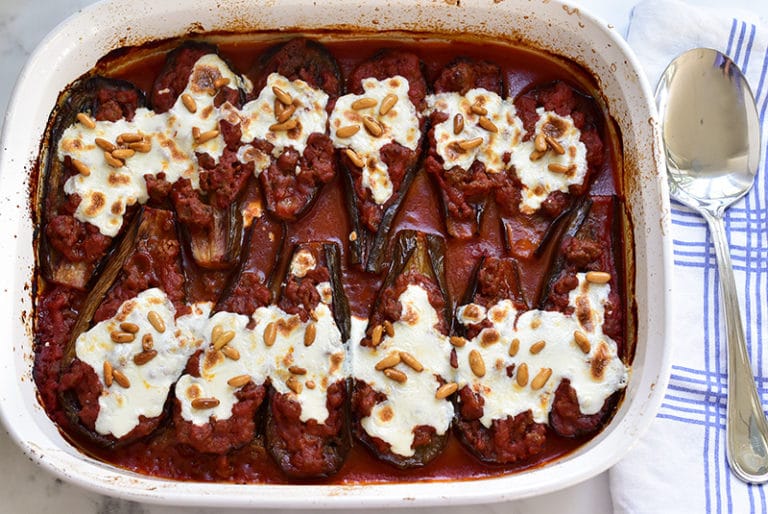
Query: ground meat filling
497, 279
221, 436
566, 418
175, 75
300, 295
525, 232
426, 443
81, 381
308, 449
462, 190
513, 438
399, 159
292, 181
508, 440
565, 101
301, 59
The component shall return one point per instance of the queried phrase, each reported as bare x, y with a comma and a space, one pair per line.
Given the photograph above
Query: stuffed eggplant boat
401, 372
471, 136
307, 421
285, 128
378, 128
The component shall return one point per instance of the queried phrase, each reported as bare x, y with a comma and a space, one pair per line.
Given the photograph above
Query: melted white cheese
119, 407
302, 262
412, 403
502, 394
400, 124
106, 191
258, 116
216, 369
501, 113
323, 360
538, 181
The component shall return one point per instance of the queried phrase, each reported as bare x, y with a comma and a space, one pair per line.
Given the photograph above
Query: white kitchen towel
680, 465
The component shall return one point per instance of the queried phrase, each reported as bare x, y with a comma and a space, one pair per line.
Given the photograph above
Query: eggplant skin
70, 250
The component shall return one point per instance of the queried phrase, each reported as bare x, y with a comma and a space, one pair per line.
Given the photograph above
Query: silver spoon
712, 142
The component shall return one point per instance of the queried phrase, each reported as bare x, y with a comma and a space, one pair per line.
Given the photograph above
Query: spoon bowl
711, 136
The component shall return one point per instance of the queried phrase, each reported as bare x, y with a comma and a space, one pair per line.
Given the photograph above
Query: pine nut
270, 333
205, 403
364, 103
598, 277
522, 375
144, 357
387, 103
411, 362
458, 124
391, 360
107, 369
514, 347
189, 102
121, 379
537, 347
582, 341
86, 120
80, 167
356, 160
156, 321
238, 381
541, 378
476, 363
396, 375
347, 131
446, 390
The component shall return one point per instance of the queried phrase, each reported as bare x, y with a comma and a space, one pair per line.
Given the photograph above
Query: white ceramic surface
75, 46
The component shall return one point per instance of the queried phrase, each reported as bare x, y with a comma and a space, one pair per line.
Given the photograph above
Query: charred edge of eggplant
378, 247
315, 49
554, 227
79, 98
358, 248
469, 293
341, 312
436, 252
422, 456
69, 403
576, 219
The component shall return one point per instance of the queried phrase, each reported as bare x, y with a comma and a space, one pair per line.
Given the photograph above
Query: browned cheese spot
599, 361
489, 336
386, 414
96, 205
584, 313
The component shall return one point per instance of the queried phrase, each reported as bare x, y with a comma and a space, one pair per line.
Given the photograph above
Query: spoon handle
746, 426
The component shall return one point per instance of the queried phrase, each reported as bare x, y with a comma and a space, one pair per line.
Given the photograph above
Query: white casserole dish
76, 45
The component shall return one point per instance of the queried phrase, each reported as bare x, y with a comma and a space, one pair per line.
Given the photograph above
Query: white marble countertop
25, 487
